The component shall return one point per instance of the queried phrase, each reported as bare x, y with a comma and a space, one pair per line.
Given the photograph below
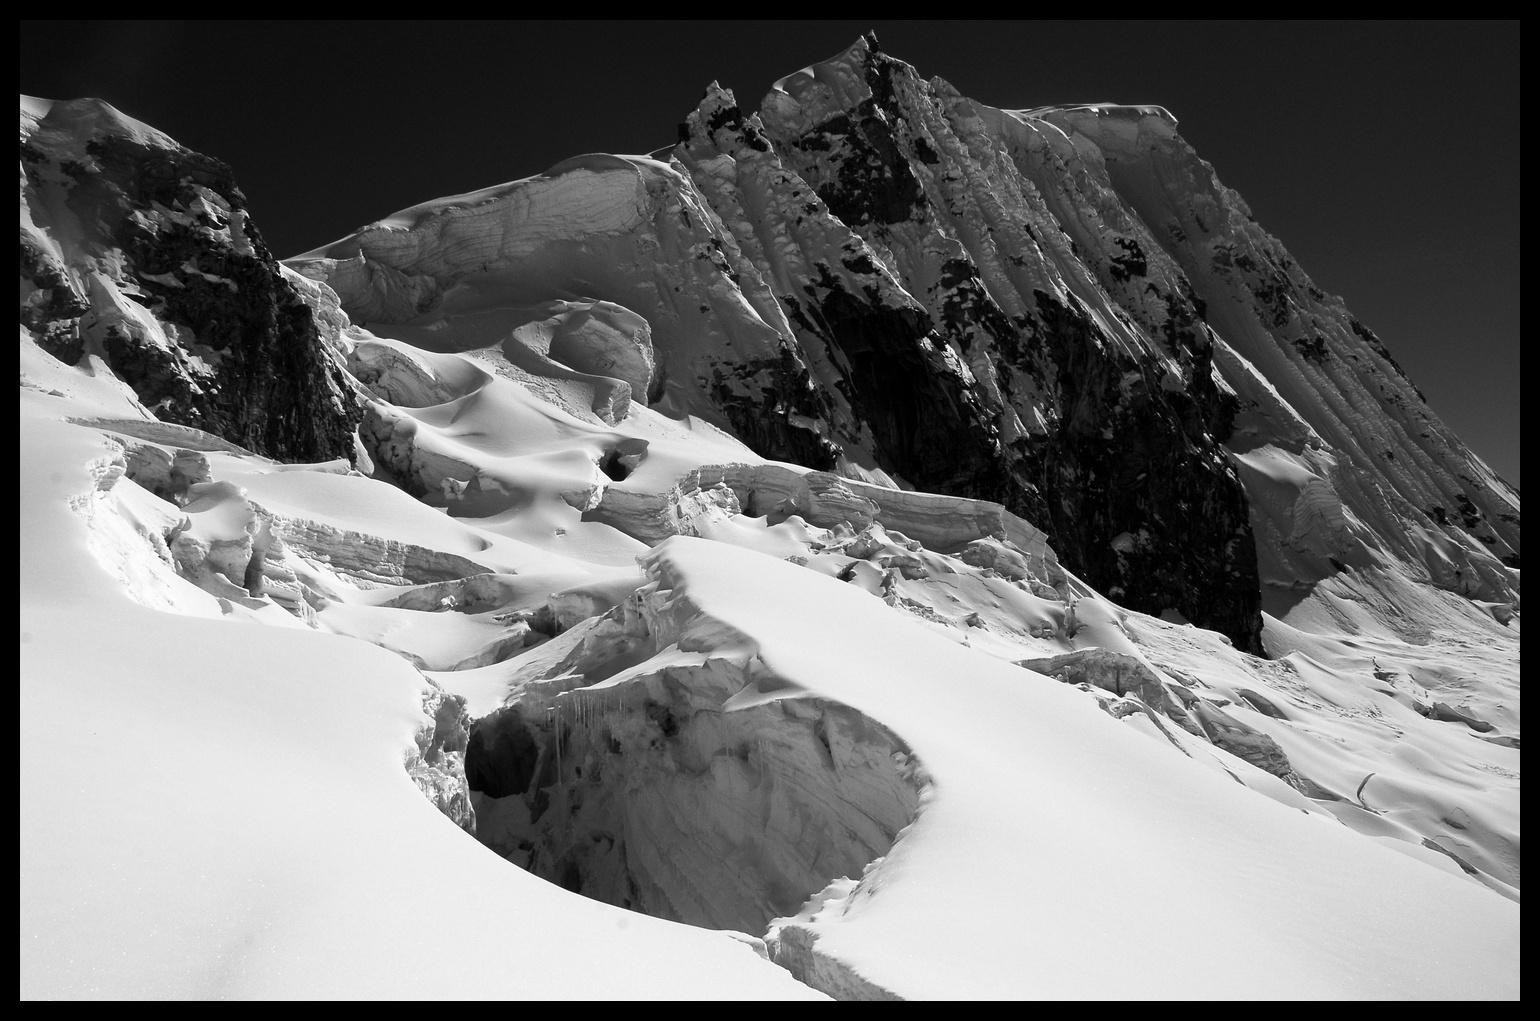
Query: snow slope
1052, 833
1035, 804
233, 818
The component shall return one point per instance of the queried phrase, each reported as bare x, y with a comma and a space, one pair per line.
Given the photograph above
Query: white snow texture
554, 688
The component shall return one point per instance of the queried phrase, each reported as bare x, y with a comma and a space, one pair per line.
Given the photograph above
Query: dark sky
1385, 156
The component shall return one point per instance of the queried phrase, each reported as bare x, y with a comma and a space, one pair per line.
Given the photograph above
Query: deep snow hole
638, 796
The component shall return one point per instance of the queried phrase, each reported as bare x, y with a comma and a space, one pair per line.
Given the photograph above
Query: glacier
882, 546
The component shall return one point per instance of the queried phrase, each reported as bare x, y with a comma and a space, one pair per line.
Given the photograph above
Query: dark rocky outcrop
142, 252
1314, 386
1000, 370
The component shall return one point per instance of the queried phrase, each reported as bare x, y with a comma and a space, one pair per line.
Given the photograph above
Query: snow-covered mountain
904, 541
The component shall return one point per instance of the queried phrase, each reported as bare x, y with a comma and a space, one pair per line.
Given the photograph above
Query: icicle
552, 714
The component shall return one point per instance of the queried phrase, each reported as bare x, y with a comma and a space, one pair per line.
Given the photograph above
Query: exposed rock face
898, 397
1336, 445
140, 252
1091, 422
1122, 355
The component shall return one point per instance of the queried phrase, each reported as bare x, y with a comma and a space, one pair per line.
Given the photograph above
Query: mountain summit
1059, 310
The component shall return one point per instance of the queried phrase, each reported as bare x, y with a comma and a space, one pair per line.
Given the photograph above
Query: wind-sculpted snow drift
798, 533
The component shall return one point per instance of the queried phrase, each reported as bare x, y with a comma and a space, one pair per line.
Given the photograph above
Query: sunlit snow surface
211, 806
227, 813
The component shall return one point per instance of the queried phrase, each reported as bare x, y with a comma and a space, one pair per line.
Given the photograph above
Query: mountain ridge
1294, 561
